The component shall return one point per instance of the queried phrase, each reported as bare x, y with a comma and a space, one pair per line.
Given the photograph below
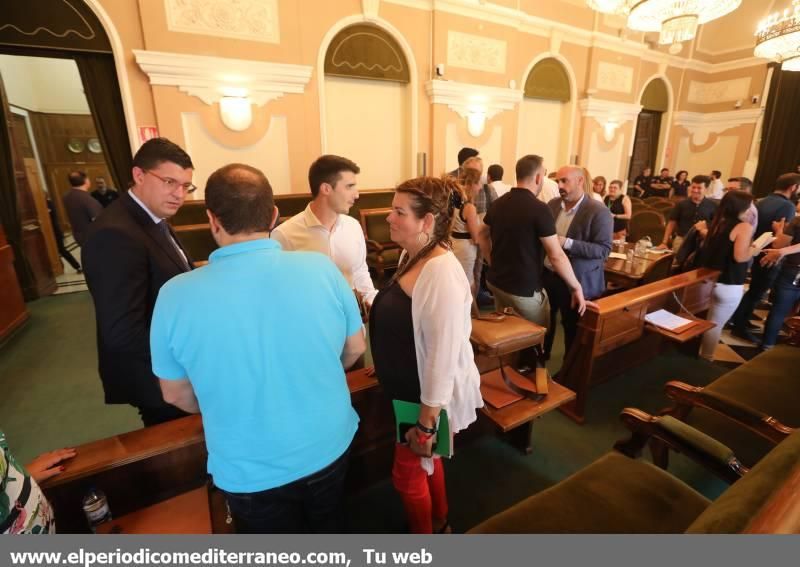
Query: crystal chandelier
778, 38
676, 20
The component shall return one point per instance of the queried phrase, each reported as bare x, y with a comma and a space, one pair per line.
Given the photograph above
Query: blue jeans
785, 295
309, 505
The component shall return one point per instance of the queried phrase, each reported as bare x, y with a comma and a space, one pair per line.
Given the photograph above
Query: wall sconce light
476, 122
610, 129
236, 112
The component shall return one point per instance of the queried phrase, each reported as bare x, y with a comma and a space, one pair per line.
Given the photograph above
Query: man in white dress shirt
716, 189
495, 178
325, 227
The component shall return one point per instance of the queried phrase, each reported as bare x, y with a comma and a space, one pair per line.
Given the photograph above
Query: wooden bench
151, 466
613, 337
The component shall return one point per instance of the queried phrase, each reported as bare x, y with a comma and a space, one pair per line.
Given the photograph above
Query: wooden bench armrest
374, 246
686, 397
667, 432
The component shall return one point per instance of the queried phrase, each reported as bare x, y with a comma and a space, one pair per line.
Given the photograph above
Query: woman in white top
419, 333
599, 188
467, 225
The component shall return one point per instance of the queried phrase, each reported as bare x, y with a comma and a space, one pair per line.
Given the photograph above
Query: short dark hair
465, 153
528, 165
745, 183
156, 151
704, 179
716, 174
328, 169
77, 178
495, 172
787, 180
240, 196
663, 169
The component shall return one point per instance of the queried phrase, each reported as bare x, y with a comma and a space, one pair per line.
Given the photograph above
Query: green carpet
51, 397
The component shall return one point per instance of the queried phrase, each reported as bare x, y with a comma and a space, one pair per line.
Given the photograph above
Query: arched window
548, 80
655, 96
366, 52
546, 107
367, 101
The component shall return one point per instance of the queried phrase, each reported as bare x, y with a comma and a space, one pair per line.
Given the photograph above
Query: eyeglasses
172, 184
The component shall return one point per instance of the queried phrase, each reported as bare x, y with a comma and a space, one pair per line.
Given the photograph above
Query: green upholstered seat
769, 384
615, 494
736, 507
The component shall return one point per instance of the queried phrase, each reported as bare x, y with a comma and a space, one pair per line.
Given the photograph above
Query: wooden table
626, 275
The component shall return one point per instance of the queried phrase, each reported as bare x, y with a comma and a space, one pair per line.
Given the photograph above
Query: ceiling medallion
778, 38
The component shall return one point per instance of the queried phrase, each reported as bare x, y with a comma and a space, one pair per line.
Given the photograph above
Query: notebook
406, 415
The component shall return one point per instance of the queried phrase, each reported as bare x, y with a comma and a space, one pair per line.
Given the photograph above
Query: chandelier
778, 38
676, 20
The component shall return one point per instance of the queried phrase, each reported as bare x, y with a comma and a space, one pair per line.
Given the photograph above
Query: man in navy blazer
584, 227
131, 251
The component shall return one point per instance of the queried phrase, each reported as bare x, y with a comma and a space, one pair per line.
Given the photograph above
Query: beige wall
43, 84
468, 40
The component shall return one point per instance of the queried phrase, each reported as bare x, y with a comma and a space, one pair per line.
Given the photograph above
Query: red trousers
424, 496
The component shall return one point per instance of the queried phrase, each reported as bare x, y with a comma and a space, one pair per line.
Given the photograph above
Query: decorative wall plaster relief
476, 52
251, 20
721, 91
613, 77
210, 78
465, 98
702, 126
370, 8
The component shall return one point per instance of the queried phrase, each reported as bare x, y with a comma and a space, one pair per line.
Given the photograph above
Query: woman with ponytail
419, 333
467, 225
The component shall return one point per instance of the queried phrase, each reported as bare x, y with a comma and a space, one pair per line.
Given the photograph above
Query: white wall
607, 163
270, 154
368, 122
490, 151
544, 130
43, 85
719, 156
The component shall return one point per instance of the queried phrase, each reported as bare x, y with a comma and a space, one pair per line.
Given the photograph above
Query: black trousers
761, 281
312, 504
160, 414
67, 255
560, 302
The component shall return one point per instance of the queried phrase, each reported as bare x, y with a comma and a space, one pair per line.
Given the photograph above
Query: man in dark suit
81, 208
584, 227
131, 251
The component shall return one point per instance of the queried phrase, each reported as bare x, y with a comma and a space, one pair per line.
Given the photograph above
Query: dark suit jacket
126, 261
591, 233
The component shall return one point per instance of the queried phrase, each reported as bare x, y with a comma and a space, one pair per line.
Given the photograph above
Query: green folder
407, 413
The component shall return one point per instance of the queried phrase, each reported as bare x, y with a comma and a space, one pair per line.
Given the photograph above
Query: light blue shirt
259, 333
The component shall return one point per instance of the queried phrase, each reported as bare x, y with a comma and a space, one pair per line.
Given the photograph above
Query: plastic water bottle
95, 506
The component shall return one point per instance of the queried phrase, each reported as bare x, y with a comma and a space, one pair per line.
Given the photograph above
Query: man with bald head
584, 228
257, 342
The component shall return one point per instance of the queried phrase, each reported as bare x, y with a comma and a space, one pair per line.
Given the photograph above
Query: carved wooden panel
621, 328
645, 144
366, 52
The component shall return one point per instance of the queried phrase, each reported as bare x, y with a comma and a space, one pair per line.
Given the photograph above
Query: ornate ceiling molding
211, 78
466, 98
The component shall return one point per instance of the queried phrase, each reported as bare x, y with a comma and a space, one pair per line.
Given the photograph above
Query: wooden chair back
646, 223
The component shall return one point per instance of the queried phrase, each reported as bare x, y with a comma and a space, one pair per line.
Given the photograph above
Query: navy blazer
591, 233
126, 261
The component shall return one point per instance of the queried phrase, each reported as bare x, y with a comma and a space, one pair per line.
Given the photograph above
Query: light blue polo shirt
259, 333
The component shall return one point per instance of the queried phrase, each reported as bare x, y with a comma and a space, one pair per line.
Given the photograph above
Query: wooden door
33, 241
645, 144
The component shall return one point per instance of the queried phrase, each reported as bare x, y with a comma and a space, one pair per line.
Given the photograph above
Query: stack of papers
666, 320
618, 256
764, 240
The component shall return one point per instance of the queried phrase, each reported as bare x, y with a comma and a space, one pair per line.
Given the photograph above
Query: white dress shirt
500, 187
716, 189
344, 244
158, 220
549, 191
563, 222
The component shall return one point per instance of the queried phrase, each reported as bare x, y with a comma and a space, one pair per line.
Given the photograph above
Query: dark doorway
645, 142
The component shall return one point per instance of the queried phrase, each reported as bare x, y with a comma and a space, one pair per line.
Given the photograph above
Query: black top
81, 211
687, 213
617, 208
792, 261
644, 182
106, 198
517, 221
662, 180
391, 338
771, 208
680, 189
717, 254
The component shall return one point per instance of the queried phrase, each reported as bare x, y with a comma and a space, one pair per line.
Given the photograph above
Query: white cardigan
441, 304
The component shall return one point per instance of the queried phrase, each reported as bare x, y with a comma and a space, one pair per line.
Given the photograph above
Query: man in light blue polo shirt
257, 342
